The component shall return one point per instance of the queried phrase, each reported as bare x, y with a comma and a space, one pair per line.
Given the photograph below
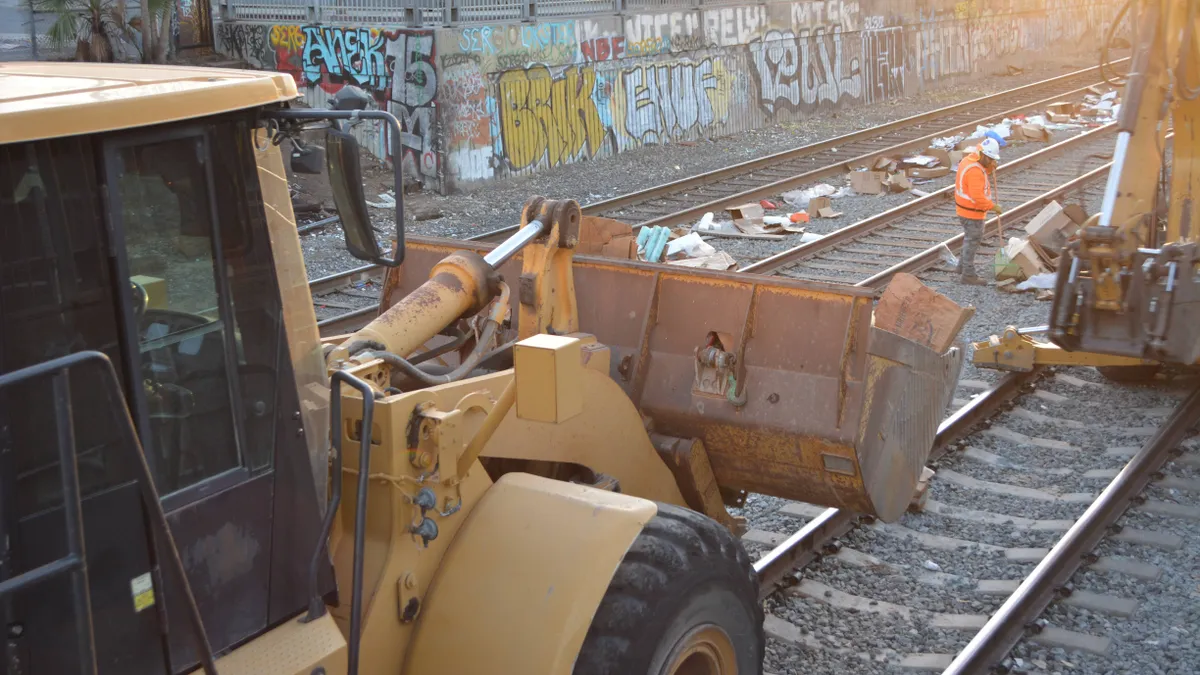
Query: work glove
996, 209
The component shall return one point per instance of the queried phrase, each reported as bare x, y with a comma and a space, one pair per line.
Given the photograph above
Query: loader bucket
792, 390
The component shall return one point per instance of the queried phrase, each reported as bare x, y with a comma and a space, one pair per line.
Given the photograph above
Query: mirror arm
309, 115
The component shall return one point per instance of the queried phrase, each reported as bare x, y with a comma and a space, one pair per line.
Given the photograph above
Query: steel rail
332, 282
866, 226
816, 537
839, 166
1017, 616
930, 256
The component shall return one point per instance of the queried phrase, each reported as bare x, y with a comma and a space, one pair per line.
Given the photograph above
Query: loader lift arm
1123, 288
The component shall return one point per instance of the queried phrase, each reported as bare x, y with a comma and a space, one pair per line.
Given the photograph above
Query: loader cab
158, 245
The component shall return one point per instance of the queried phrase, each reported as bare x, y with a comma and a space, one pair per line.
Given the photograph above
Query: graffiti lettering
658, 33
546, 118
413, 87
665, 102
287, 37
795, 71
824, 13
546, 35
247, 42
477, 40
735, 25
346, 55
602, 49
883, 58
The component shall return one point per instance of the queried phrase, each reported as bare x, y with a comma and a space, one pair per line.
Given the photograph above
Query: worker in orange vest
973, 199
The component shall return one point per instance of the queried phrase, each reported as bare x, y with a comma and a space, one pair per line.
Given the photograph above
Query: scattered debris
921, 493
800, 198
1051, 227
768, 205
914, 311
867, 182
387, 200
690, 245
1013, 70
821, 207
606, 237
932, 566
651, 241
1042, 281
717, 261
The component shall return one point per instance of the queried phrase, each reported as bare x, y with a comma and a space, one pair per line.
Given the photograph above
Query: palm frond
64, 31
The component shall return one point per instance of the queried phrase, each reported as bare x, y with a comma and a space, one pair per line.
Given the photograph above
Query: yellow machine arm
1126, 287
1016, 350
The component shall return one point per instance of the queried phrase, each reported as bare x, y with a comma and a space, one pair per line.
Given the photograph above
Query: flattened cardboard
1058, 118
914, 311
828, 212
898, 182
934, 172
867, 182
606, 237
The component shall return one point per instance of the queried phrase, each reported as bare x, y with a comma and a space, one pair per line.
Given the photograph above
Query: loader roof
50, 100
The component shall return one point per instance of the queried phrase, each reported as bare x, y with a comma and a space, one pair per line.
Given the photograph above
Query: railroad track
909, 237
343, 301
686, 200
1017, 507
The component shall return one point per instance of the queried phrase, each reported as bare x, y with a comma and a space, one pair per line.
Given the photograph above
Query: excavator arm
1124, 288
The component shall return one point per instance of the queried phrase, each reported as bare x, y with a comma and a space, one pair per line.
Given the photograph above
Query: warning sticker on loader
143, 591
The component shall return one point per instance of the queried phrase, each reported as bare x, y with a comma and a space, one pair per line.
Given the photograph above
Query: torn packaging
916, 312
933, 172
607, 238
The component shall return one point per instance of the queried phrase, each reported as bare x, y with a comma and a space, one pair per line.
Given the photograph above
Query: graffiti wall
487, 100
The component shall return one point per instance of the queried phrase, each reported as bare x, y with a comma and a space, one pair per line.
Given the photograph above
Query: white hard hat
991, 148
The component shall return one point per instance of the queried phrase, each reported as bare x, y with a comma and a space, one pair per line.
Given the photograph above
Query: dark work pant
972, 234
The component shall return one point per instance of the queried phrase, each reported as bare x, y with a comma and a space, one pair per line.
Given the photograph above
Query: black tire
1129, 374
683, 573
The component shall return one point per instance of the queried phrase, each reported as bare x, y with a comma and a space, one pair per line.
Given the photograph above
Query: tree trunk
147, 32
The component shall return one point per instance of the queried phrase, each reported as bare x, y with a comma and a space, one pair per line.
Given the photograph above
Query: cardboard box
1058, 118
882, 163
1061, 108
606, 237
1050, 227
942, 156
955, 157
1076, 213
1021, 254
867, 182
821, 207
1032, 132
933, 172
914, 311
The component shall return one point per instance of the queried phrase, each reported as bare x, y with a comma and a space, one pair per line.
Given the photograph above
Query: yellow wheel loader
522, 465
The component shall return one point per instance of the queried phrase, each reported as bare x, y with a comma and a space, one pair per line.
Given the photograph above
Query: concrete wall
483, 101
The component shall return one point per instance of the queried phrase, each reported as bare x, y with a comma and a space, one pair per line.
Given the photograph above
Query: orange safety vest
972, 190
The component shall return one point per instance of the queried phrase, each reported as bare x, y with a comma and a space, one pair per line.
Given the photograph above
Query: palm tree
88, 24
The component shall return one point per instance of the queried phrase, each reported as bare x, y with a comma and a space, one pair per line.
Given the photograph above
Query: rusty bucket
792, 390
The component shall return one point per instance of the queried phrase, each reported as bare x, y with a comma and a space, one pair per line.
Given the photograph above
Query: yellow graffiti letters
288, 37
542, 116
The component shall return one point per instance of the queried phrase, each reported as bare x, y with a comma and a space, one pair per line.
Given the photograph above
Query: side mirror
345, 180
306, 159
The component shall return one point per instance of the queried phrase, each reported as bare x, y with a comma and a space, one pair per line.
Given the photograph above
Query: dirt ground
498, 203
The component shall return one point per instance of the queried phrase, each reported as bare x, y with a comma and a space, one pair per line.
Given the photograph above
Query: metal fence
438, 12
